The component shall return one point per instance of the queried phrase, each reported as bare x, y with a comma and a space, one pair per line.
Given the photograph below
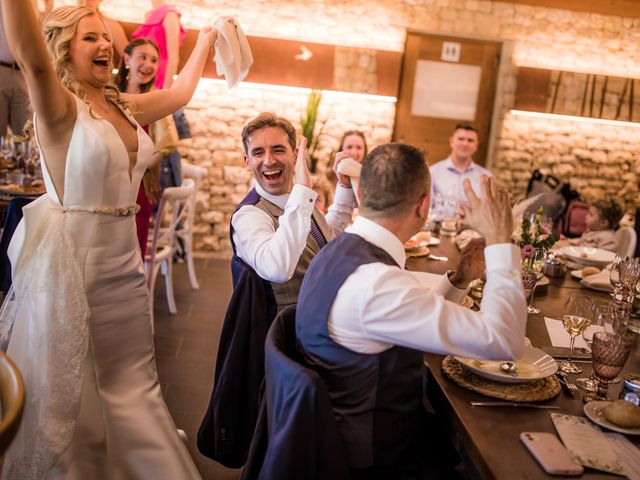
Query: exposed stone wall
589, 156
597, 160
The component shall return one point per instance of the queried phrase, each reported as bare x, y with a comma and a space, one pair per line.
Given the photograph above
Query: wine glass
578, 315
536, 264
609, 354
614, 277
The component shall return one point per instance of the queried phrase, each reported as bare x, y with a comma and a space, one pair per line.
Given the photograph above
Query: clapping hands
301, 169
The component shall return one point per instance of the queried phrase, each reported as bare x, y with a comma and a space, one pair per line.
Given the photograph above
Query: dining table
488, 439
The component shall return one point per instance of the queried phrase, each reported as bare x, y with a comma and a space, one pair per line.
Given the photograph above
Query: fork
572, 388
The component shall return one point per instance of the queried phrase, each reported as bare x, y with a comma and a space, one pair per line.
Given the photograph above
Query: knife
514, 404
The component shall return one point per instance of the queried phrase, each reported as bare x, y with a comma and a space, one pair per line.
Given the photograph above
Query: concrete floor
186, 347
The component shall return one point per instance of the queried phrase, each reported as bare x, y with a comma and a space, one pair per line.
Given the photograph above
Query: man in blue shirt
448, 175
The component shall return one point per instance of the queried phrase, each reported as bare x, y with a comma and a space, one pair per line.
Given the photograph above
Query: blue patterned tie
317, 234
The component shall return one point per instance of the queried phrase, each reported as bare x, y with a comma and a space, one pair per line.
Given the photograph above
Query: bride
79, 304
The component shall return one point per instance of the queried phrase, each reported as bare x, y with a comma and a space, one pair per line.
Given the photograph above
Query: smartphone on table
550, 453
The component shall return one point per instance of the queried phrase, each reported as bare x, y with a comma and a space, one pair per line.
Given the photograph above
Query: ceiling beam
618, 8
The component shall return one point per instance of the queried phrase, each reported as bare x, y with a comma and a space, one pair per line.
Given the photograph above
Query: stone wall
591, 156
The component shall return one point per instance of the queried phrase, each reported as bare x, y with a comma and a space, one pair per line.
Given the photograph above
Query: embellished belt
113, 211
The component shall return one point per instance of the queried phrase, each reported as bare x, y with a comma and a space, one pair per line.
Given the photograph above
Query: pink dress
153, 29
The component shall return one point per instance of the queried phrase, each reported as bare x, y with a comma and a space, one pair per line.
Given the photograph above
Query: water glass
609, 353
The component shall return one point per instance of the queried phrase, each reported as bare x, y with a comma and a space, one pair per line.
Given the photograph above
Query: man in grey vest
276, 230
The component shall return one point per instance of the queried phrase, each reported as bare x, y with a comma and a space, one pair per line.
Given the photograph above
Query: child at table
602, 220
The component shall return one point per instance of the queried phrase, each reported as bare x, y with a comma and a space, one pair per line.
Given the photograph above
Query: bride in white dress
79, 303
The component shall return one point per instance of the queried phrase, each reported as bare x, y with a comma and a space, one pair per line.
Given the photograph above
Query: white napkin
348, 166
599, 281
233, 55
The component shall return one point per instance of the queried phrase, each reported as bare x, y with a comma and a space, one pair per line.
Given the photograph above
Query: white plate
533, 365
593, 410
576, 274
589, 256
434, 241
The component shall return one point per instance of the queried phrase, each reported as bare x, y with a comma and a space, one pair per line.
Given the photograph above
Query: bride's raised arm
152, 106
51, 101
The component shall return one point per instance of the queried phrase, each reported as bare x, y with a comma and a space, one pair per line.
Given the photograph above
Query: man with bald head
363, 321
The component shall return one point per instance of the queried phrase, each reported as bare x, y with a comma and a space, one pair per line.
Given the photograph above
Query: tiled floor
186, 347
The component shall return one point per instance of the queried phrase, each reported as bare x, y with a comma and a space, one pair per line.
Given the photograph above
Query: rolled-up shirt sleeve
272, 253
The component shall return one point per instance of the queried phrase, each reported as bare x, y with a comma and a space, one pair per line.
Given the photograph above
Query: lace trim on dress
53, 348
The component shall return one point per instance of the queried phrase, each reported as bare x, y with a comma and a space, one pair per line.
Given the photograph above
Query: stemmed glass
606, 319
535, 264
579, 312
614, 278
609, 353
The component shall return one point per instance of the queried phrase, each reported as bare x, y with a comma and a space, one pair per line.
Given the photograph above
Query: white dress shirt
272, 253
380, 306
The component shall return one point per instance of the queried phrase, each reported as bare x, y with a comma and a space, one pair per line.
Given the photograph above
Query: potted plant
308, 125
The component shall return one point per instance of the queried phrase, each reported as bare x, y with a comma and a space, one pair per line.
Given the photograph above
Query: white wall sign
450, 52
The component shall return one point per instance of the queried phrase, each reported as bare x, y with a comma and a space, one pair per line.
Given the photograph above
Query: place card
559, 336
587, 444
628, 454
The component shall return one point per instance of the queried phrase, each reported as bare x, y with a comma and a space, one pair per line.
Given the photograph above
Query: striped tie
316, 234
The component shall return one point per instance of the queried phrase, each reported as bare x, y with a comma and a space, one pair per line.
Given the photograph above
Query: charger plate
533, 391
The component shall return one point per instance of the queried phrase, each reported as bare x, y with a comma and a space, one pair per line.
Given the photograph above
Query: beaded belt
114, 212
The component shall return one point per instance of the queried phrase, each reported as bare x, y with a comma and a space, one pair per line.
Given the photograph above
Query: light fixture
555, 116
300, 90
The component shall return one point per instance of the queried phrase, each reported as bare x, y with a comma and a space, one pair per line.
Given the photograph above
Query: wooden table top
488, 438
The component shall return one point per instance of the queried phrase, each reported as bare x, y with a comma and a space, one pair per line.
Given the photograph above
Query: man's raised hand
301, 169
489, 214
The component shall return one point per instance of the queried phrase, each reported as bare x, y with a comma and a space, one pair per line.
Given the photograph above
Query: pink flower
527, 251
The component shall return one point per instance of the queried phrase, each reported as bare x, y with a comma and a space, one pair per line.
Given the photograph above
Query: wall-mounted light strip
300, 90
555, 116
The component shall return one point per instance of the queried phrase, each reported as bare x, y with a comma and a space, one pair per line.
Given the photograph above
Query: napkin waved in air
233, 55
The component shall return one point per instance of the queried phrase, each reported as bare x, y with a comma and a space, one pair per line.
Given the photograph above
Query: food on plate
584, 255
412, 244
422, 237
586, 271
623, 414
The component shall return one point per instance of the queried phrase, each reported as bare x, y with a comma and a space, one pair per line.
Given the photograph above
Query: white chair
159, 257
184, 230
626, 240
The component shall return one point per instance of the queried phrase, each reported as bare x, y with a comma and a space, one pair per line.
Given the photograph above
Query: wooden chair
12, 399
159, 256
184, 230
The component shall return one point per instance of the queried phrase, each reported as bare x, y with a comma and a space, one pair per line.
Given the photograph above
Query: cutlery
509, 368
514, 404
571, 388
437, 258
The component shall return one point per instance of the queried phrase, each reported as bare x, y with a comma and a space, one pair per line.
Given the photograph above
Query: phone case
550, 453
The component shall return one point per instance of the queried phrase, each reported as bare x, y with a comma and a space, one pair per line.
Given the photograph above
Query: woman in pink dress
163, 27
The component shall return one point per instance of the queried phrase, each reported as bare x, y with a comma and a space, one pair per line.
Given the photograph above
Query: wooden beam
617, 8
275, 63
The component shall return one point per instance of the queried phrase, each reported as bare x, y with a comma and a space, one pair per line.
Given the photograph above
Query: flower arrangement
533, 235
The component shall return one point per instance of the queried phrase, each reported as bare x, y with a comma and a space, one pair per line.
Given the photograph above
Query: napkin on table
599, 281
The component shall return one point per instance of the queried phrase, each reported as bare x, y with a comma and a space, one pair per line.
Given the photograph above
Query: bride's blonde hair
60, 27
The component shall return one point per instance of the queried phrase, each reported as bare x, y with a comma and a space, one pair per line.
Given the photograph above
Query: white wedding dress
81, 325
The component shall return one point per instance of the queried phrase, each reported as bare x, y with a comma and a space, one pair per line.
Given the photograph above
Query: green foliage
308, 125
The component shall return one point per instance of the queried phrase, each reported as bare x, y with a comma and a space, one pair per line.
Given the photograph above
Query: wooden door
431, 133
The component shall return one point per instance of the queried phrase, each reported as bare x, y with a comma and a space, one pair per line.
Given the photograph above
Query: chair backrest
189, 170
12, 398
303, 441
626, 240
174, 202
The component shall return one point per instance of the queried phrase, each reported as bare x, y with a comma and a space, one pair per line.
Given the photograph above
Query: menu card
588, 445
